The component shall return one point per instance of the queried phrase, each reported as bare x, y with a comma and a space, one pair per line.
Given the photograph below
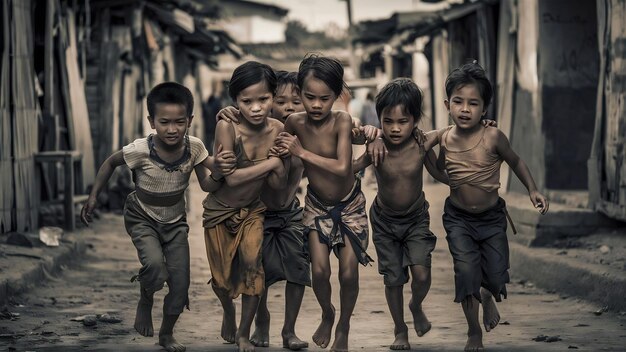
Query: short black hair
284, 78
470, 73
170, 93
327, 69
248, 74
400, 91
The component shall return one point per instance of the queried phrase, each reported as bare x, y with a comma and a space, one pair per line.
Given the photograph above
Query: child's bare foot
170, 344
341, 339
261, 335
321, 337
402, 340
421, 323
229, 324
474, 343
143, 316
244, 344
292, 342
491, 316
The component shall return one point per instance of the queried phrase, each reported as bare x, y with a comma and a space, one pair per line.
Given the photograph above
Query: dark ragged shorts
163, 250
479, 248
285, 256
401, 240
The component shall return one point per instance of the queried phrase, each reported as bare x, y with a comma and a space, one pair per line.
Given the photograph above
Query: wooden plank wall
81, 132
6, 165
505, 76
613, 170
25, 115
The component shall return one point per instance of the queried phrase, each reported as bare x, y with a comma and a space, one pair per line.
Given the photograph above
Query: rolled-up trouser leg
176, 253
153, 272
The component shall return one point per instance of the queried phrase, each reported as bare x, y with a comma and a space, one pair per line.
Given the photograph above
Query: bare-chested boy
334, 213
399, 215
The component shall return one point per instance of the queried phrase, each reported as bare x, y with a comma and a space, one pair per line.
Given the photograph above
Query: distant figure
154, 213
209, 113
368, 115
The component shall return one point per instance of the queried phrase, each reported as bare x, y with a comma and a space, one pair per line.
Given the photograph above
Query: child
233, 215
334, 213
154, 213
474, 215
399, 215
284, 253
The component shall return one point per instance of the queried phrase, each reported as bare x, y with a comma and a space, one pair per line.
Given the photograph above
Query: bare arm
102, 178
342, 166
277, 179
225, 136
207, 183
430, 161
519, 167
361, 162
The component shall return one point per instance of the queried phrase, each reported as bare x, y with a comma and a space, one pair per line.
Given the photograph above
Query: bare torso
400, 177
322, 139
256, 147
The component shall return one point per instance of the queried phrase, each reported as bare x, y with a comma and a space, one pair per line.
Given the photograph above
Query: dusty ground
100, 284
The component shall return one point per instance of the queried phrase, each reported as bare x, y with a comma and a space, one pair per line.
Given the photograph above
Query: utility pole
353, 59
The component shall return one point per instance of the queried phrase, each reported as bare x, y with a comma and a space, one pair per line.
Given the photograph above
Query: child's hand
489, 123
229, 114
87, 210
225, 161
278, 152
370, 132
539, 201
377, 151
290, 143
357, 136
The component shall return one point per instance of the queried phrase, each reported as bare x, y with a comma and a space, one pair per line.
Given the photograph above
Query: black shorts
285, 255
479, 248
401, 240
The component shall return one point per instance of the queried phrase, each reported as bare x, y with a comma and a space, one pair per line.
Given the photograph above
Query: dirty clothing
163, 251
401, 239
159, 185
480, 249
335, 222
477, 166
285, 256
234, 238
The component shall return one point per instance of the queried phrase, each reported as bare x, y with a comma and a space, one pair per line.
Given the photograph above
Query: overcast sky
316, 14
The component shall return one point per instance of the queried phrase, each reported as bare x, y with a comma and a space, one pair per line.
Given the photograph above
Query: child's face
170, 122
286, 102
317, 98
397, 125
466, 106
255, 103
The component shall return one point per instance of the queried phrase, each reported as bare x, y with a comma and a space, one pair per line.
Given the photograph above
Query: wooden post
49, 61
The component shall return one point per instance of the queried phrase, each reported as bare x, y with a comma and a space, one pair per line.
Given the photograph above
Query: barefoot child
334, 213
399, 215
233, 215
154, 213
285, 256
475, 217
